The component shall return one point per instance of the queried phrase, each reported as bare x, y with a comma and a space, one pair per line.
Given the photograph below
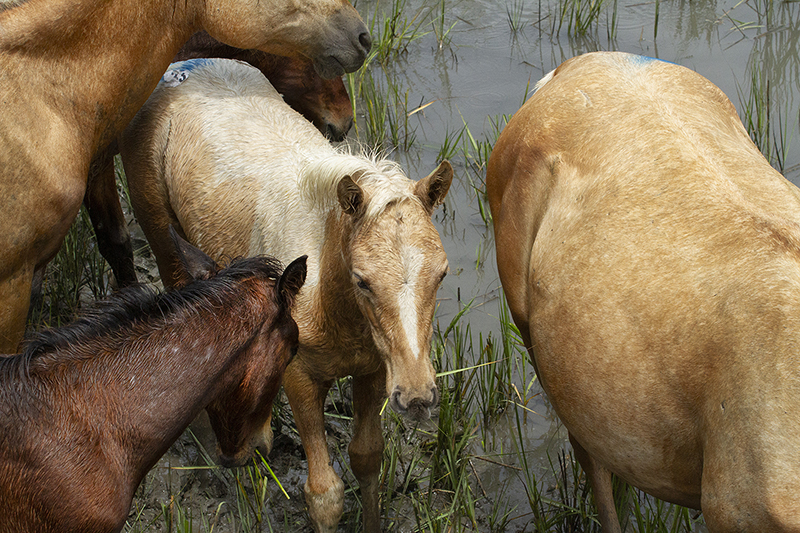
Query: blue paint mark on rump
191, 64
645, 60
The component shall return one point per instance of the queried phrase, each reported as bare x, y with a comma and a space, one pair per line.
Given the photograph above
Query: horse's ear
291, 280
433, 188
195, 262
351, 196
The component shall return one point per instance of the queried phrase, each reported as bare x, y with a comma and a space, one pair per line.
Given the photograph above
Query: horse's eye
361, 284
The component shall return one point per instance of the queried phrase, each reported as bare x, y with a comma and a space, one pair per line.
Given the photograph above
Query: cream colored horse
73, 73
223, 158
651, 260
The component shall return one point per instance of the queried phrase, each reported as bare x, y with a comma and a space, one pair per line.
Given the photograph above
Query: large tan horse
73, 73
245, 174
651, 260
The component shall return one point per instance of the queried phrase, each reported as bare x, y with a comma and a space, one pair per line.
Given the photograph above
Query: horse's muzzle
417, 408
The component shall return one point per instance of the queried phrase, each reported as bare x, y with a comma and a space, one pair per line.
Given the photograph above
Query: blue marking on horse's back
178, 72
642, 61
189, 65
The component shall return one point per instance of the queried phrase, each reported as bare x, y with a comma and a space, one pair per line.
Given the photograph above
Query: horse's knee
366, 466
325, 504
365, 452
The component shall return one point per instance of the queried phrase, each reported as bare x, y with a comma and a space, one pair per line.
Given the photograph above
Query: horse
88, 409
237, 175
650, 257
323, 102
73, 73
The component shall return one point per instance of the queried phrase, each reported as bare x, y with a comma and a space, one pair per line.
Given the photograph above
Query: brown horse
651, 260
88, 409
73, 73
323, 102
248, 173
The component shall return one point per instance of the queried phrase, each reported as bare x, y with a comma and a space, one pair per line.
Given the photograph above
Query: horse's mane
9, 4
137, 305
382, 179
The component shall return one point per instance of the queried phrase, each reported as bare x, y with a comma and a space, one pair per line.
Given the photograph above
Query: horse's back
651, 258
209, 149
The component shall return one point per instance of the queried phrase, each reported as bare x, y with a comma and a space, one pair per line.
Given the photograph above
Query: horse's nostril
435, 392
396, 400
333, 133
366, 41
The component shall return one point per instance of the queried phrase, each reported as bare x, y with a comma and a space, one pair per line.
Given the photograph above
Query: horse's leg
324, 489
600, 479
150, 202
15, 295
102, 203
366, 448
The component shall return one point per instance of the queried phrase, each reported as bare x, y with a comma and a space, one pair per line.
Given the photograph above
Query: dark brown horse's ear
351, 196
196, 264
291, 280
433, 188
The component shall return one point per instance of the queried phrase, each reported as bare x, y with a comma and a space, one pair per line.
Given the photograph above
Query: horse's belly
629, 391
651, 444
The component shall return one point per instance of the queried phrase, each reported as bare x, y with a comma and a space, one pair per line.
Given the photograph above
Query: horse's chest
336, 361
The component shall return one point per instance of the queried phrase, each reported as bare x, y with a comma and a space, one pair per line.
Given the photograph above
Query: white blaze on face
413, 260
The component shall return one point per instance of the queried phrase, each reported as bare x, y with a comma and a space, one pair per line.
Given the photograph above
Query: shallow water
483, 71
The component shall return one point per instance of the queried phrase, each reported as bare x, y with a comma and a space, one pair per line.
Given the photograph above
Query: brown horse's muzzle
260, 441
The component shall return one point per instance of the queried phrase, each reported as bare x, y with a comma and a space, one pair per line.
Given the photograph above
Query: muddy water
483, 69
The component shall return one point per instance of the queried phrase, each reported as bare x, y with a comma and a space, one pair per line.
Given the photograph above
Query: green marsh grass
515, 16
769, 130
580, 17
77, 273
395, 31
439, 24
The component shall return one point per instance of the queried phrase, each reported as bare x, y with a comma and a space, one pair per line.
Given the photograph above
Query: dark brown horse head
238, 417
323, 102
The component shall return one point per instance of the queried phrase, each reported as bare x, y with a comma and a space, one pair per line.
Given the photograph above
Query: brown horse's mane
10, 4
137, 305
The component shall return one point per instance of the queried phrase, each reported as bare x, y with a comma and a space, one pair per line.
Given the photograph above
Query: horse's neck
336, 313
144, 396
104, 58
189, 376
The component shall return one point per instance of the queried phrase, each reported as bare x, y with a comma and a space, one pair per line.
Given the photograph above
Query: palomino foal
88, 409
324, 102
243, 174
73, 73
651, 260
